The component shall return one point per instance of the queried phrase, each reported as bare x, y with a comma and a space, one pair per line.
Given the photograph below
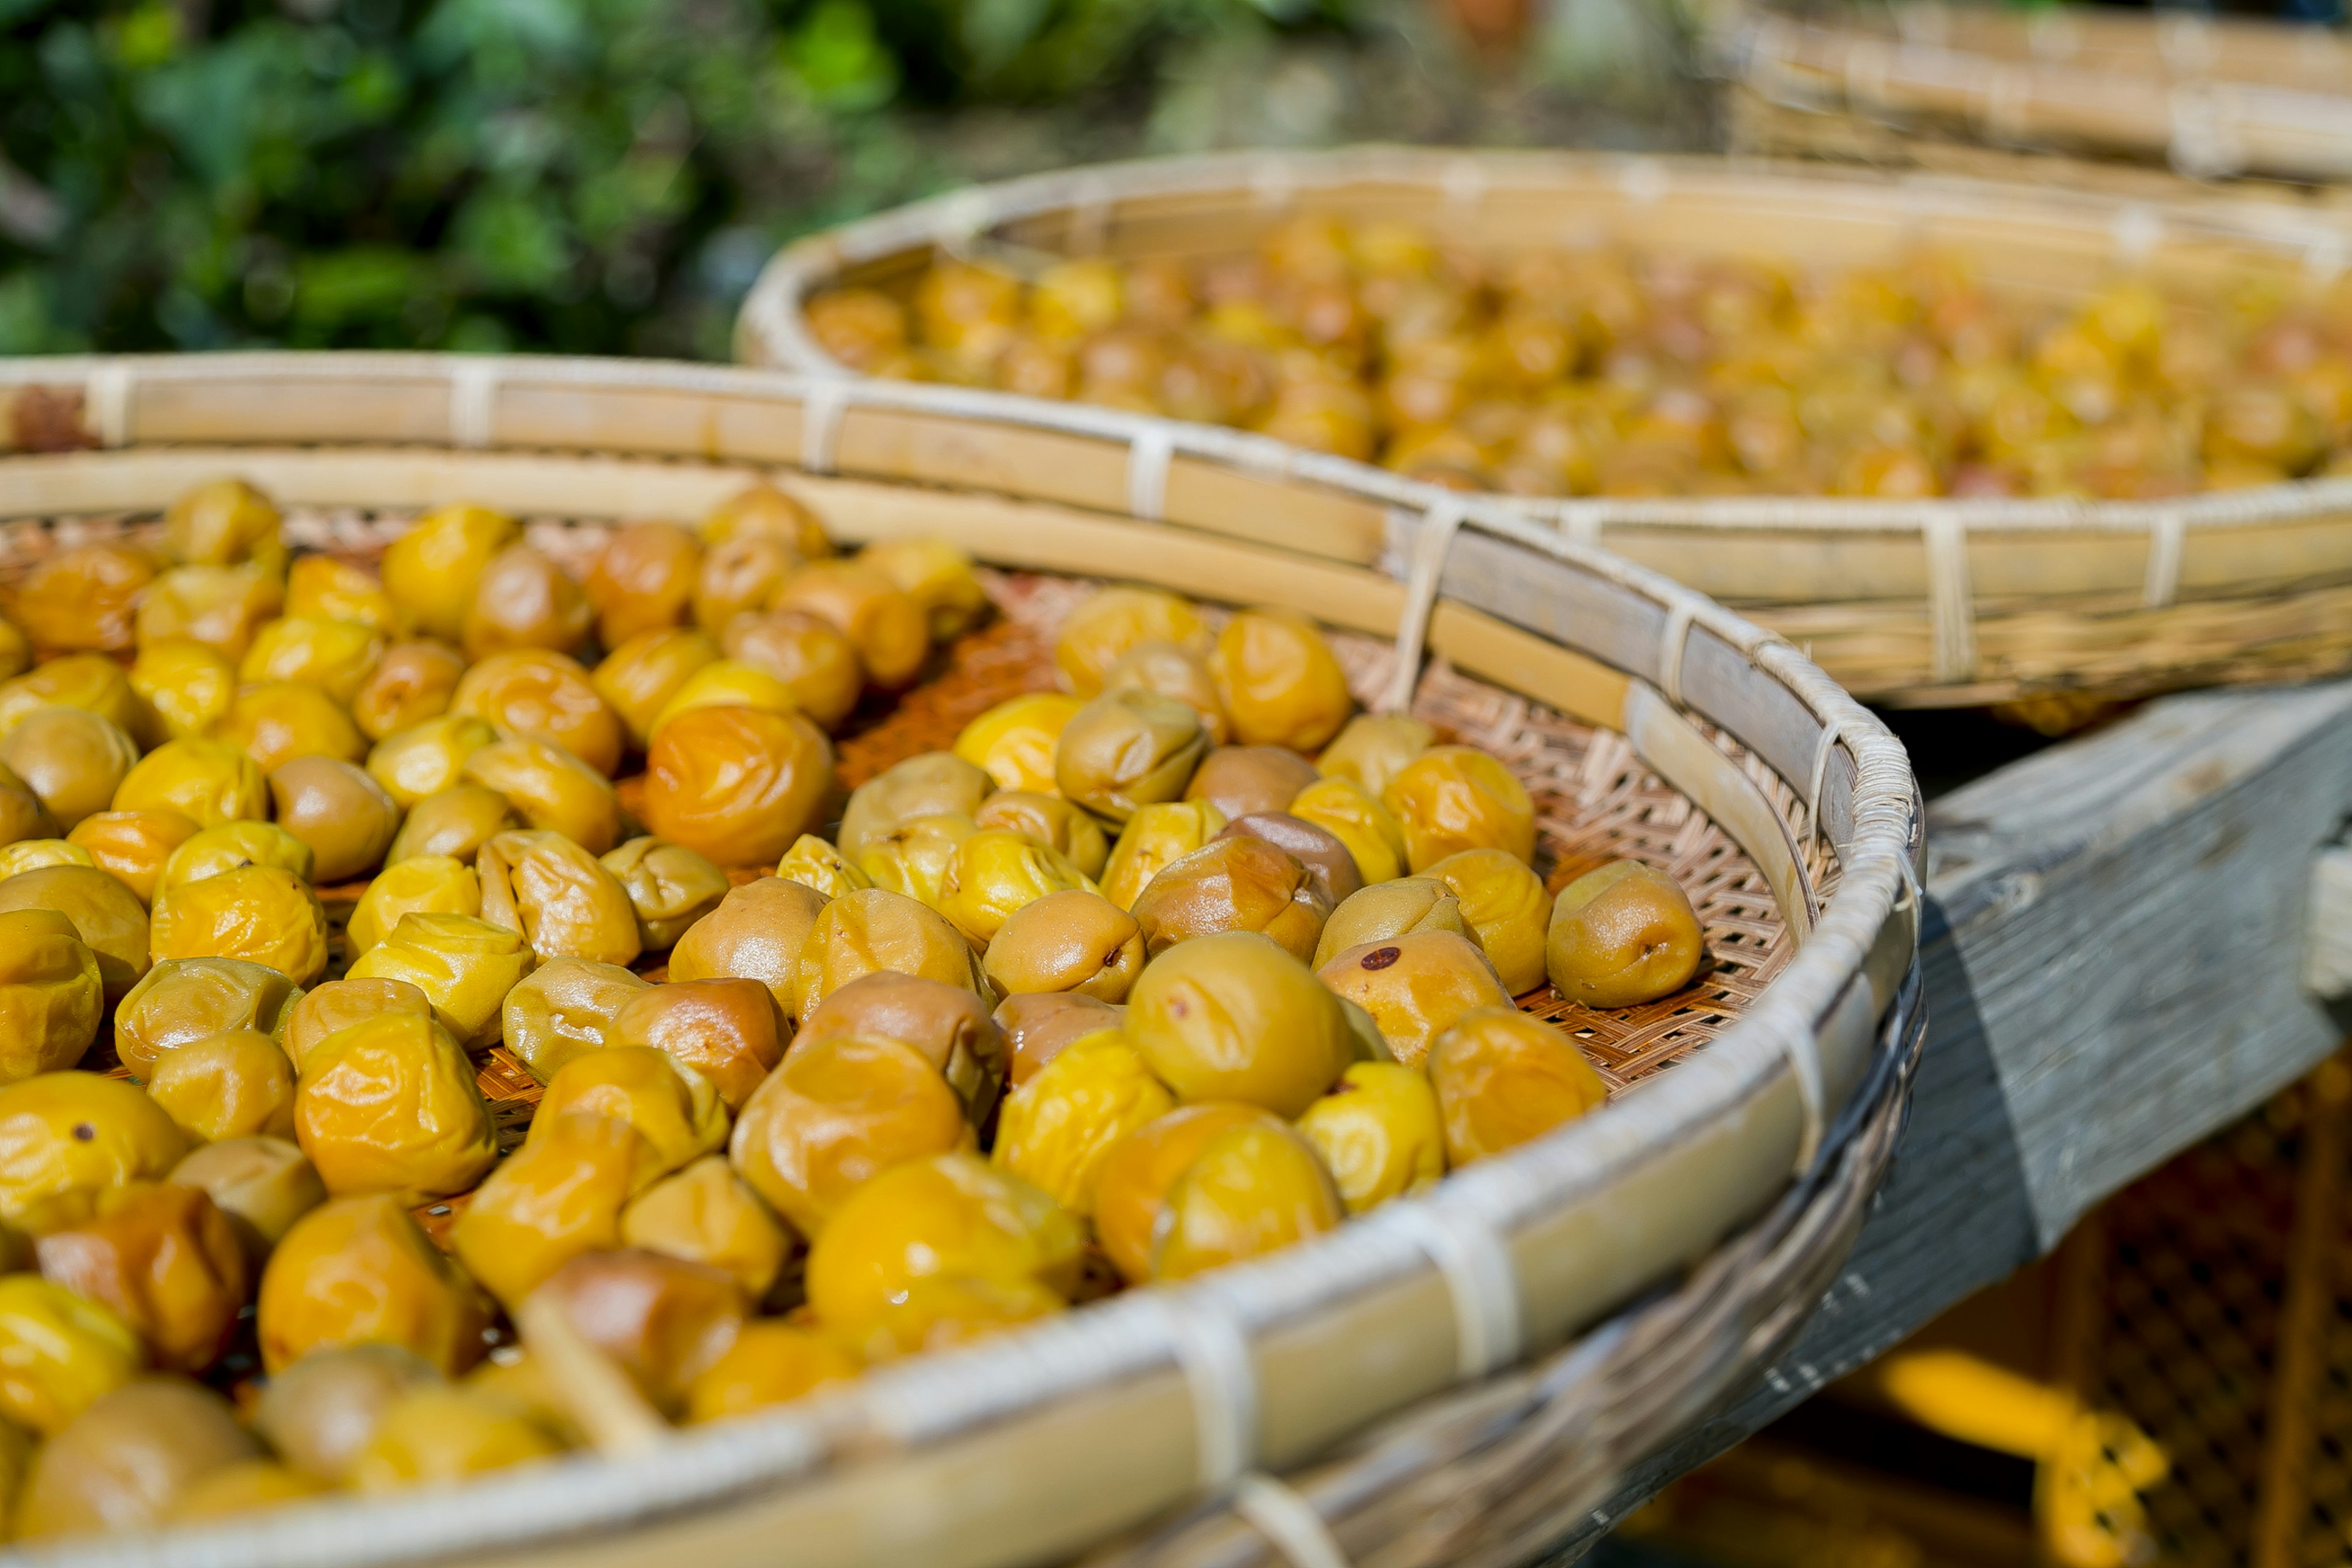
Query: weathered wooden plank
2114, 958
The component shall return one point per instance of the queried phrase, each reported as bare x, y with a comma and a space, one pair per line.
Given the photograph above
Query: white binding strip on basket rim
772, 329
1837, 969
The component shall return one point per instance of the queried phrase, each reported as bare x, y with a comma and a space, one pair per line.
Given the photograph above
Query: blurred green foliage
584, 176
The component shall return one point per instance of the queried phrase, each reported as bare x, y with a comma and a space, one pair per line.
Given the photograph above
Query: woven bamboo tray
2208, 98
1464, 1372
1937, 603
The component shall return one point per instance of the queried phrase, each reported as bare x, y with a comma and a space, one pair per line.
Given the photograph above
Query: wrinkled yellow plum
814, 863
130, 1461
71, 758
1453, 798
550, 789
221, 523
1251, 1190
817, 664
638, 678
164, 1260
208, 782
186, 999
83, 598
885, 626
875, 928
241, 1486
1502, 1077
934, 784
1139, 1169
669, 887
1244, 781
993, 873
643, 581
320, 1411
757, 932
1061, 827
1155, 838
740, 577
737, 785
1390, 909
391, 1105
1622, 935
1233, 1017
327, 1009
262, 1185
1378, 1133
431, 571
282, 719
414, 681
949, 1025
546, 696
59, 1352
237, 1084
1173, 671
948, 1221
676, 1111
836, 1113
464, 965
1239, 884
454, 824
728, 683
1278, 681
913, 858
1056, 1130
259, 913
1074, 940
336, 657
558, 897
1503, 904
1129, 749
1014, 742
35, 854
321, 588
188, 685
763, 511
769, 1363
51, 999
559, 1195
661, 1319
1347, 811
346, 818
233, 845
422, 884
436, 1436
1096, 635
562, 1008
429, 758
1039, 1025
133, 846
938, 575
1415, 987
225, 606
360, 1271
66, 1137
104, 914
705, 1213
730, 1031
85, 681
1373, 749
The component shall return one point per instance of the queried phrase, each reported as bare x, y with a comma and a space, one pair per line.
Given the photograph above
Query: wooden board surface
2113, 951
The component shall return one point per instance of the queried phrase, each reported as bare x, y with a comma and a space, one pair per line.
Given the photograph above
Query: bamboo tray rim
1836, 980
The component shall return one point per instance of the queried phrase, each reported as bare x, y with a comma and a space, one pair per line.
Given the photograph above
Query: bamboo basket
1464, 1372
1929, 604
2209, 97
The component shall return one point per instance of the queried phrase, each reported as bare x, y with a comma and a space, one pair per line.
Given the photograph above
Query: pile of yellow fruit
1123, 987
1608, 373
